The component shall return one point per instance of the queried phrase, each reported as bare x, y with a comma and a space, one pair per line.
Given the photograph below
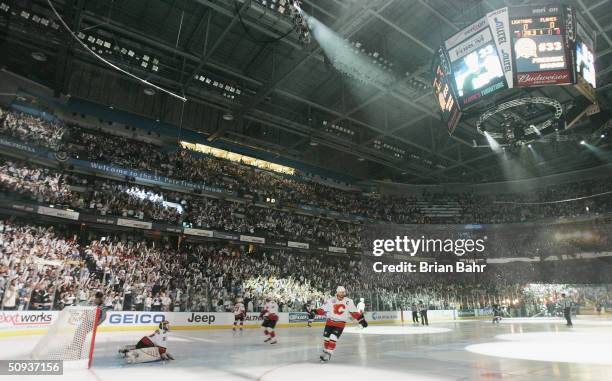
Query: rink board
21, 323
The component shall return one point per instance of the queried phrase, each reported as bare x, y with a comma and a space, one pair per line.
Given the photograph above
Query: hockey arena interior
305, 190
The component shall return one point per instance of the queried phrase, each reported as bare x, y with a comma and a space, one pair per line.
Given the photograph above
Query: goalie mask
164, 325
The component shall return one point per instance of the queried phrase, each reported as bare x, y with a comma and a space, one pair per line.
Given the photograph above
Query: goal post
71, 337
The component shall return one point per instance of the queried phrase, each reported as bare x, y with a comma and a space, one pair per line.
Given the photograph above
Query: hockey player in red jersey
339, 309
239, 314
270, 316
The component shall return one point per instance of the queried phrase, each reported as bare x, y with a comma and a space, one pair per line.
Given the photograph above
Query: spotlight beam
495, 146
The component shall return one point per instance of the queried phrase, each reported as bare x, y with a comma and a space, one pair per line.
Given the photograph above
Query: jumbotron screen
586, 71
475, 63
478, 70
585, 63
585, 53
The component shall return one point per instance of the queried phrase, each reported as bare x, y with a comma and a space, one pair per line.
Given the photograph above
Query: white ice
477, 350
395, 330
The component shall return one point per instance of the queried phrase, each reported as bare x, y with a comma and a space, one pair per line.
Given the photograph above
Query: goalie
149, 348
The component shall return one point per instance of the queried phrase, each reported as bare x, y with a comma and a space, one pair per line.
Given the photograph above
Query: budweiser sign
543, 78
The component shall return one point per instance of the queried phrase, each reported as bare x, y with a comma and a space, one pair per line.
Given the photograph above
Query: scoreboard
540, 46
444, 91
525, 46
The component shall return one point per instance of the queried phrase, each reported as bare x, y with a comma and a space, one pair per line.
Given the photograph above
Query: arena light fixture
104, 60
39, 56
228, 116
518, 132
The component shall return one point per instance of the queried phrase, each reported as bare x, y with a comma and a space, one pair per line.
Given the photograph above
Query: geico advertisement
115, 318
26, 319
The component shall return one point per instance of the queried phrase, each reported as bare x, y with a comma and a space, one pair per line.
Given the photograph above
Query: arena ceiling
289, 93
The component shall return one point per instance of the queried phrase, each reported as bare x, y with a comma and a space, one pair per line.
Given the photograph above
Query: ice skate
325, 356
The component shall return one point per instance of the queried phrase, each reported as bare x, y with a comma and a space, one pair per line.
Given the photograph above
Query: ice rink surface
521, 349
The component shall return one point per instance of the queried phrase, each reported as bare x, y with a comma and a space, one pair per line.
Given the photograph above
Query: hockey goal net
71, 338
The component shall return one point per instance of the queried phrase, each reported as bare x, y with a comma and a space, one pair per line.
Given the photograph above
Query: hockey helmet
165, 325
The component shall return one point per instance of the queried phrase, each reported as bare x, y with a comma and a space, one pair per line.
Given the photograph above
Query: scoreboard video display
525, 46
539, 41
586, 73
475, 63
444, 91
476, 71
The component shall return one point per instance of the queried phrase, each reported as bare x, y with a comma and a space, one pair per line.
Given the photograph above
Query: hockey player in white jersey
149, 348
239, 314
338, 309
270, 317
361, 307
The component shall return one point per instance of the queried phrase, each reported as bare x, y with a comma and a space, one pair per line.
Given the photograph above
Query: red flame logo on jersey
339, 309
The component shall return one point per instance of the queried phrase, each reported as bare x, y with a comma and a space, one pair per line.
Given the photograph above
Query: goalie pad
136, 356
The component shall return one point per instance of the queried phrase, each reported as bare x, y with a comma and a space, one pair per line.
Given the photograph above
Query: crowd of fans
51, 267
31, 129
294, 190
120, 199
43, 268
111, 198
